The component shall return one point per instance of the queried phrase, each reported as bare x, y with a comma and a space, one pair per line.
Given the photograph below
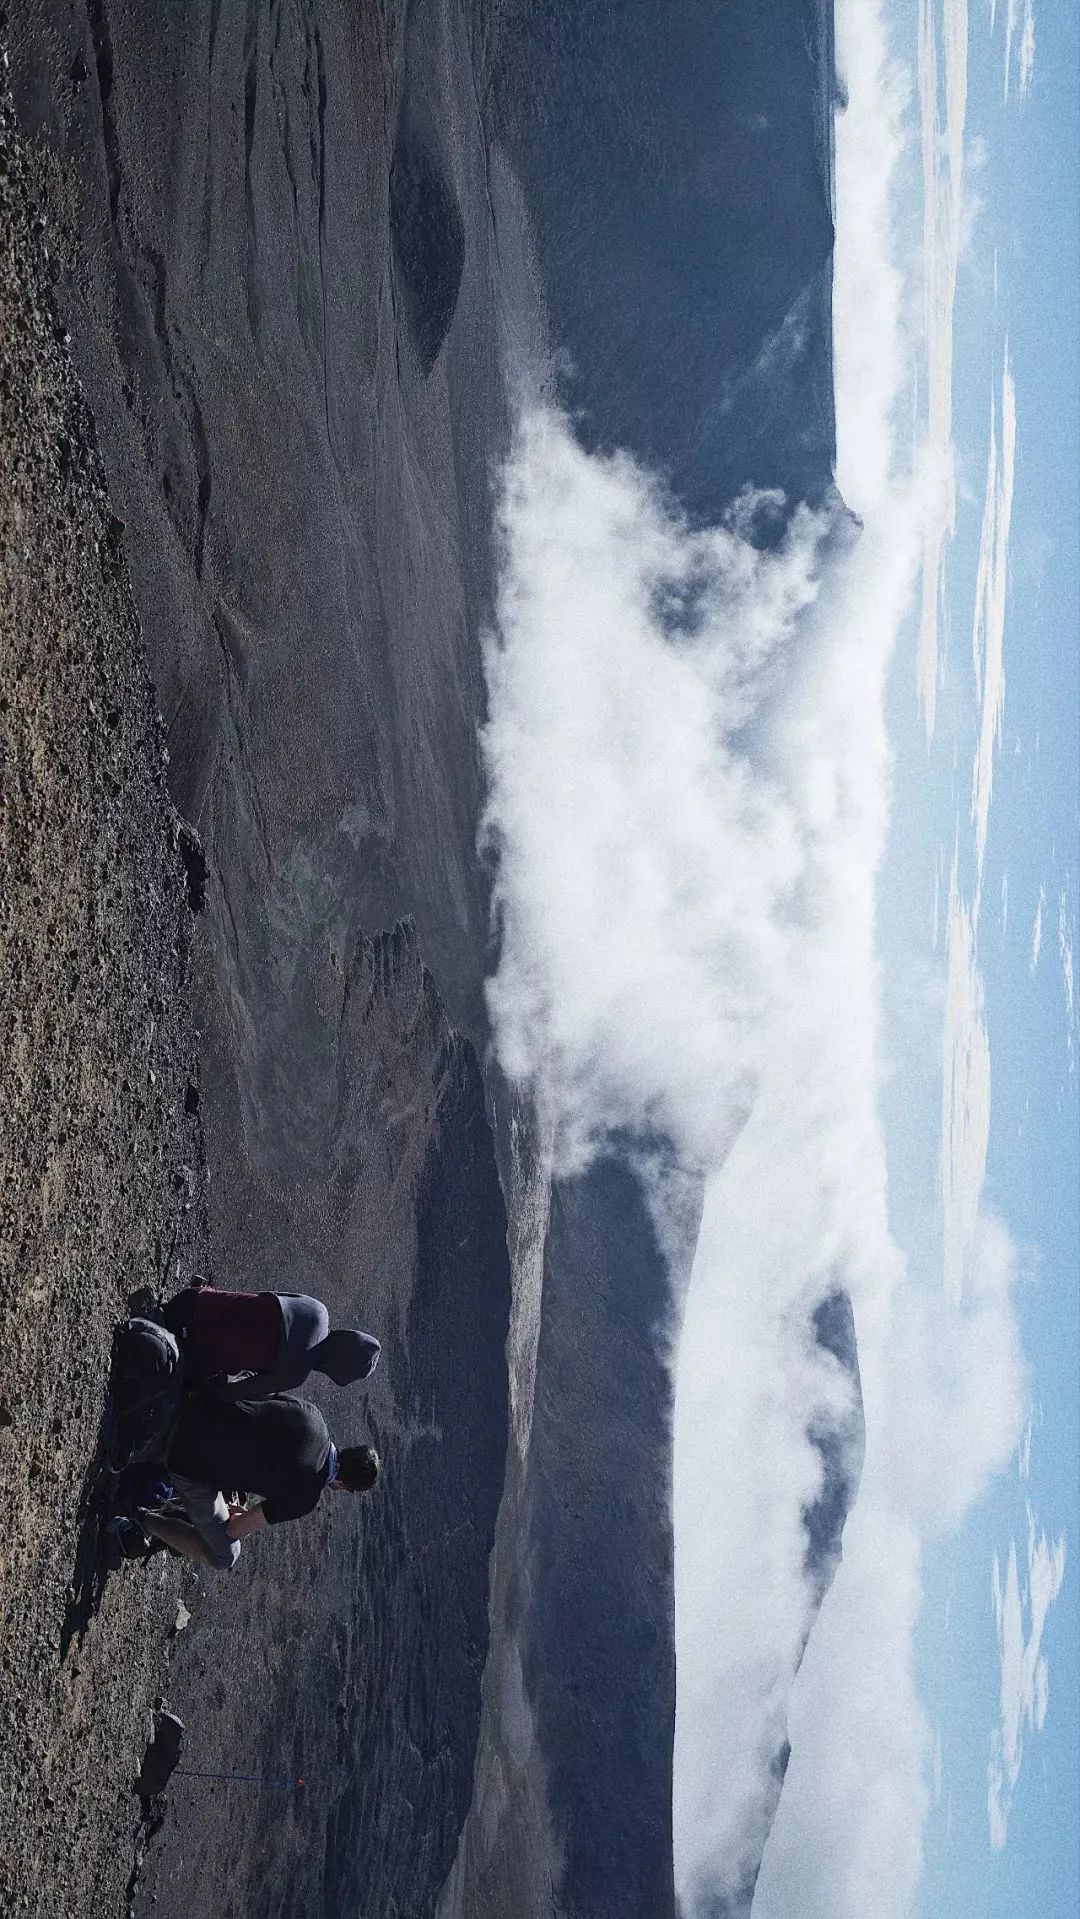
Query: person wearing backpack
277, 1447
147, 1379
249, 1345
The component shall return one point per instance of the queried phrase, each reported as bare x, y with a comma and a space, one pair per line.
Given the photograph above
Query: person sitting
249, 1345
278, 1447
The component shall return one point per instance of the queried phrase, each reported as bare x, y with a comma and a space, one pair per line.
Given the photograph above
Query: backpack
147, 1383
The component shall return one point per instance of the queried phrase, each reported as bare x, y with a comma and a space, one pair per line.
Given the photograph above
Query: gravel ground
102, 1171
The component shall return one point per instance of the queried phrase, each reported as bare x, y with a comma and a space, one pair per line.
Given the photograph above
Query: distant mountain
677, 172
677, 162
600, 1661
841, 1446
601, 1664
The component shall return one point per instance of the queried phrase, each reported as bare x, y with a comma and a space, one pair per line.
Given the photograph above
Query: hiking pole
247, 1778
171, 1251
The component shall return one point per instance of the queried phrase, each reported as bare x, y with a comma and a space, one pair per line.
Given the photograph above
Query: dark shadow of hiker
128, 1408
90, 1572
151, 1819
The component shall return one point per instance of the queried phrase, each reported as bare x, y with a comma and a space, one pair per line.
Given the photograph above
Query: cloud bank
965, 1074
688, 775
965, 1094
643, 852
1037, 931
1065, 955
988, 625
1019, 46
848, 1839
1025, 1676
943, 111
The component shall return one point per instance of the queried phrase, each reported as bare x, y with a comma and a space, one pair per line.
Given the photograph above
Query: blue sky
1014, 279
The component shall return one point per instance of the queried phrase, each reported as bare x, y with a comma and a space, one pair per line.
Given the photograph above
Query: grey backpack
147, 1383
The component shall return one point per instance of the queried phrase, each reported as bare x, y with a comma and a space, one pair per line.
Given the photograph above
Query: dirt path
102, 1174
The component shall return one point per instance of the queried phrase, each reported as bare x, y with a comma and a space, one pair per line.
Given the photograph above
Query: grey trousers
208, 1512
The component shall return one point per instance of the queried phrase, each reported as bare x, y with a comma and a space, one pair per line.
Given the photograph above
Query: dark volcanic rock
193, 860
600, 1657
429, 238
162, 1755
841, 1446
427, 222
449, 1479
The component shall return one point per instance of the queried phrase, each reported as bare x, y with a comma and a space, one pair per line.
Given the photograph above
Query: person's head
357, 1469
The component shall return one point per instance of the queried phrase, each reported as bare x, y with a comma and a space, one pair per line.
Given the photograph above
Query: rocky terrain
101, 1161
305, 493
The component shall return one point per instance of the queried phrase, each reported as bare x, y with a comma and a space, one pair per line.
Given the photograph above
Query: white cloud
1025, 1673
988, 624
947, 1407
1037, 931
869, 340
965, 1093
1019, 45
1026, 59
1065, 954
648, 863
1012, 18
945, 225
935, 924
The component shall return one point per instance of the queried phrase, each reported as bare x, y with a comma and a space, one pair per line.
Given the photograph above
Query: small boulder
162, 1755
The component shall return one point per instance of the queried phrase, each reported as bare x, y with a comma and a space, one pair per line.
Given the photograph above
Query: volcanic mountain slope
293, 371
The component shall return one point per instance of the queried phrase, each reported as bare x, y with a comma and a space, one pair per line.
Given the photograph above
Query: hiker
278, 1447
249, 1345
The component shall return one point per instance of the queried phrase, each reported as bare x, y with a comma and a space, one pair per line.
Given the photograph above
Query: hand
243, 1524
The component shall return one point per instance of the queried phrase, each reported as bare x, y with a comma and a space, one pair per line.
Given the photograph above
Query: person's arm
231, 1386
